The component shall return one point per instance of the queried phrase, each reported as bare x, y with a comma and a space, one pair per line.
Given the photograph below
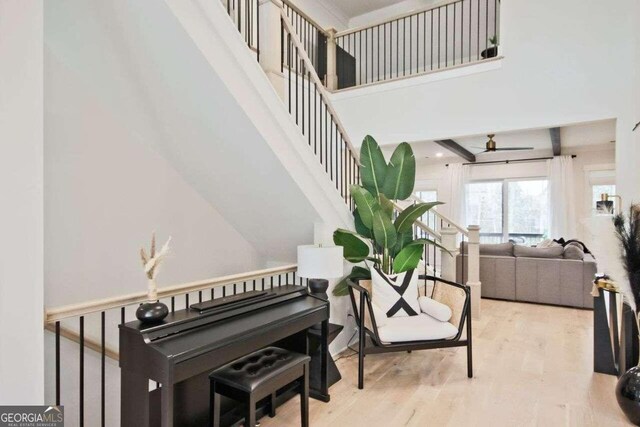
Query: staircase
291, 61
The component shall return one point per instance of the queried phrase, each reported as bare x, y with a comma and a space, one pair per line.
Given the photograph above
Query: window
509, 210
427, 195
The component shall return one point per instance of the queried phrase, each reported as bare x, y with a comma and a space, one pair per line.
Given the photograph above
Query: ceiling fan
491, 146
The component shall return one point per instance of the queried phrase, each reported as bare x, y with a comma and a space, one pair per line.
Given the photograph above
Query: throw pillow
573, 252
435, 309
548, 243
526, 251
396, 295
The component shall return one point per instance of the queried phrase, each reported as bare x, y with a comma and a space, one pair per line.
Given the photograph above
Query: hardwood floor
533, 367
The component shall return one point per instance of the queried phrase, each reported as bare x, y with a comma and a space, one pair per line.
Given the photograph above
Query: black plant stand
333, 373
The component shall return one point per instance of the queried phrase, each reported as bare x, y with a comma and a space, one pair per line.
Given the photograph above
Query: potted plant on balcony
492, 50
384, 244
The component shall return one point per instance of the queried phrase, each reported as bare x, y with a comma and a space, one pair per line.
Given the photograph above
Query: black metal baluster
446, 36
289, 66
173, 304
470, 21
122, 315
424, 41
384, 57
102, 370
297, 86
58, 363
309, 106
271, 280
404, 46
316, 114
186, 300
244, 286
439, 28
410, 45
431, 12
258, 29
486, 25
239, 17
81, 385
302, 69
478, 40
454, 34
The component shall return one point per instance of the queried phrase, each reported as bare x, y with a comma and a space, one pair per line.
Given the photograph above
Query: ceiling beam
457, 149
555, 141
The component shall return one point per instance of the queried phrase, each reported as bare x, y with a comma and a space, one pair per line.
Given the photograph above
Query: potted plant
628, 233
492, 50
380, 241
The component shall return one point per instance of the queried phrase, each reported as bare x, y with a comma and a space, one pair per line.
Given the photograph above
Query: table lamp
319, 263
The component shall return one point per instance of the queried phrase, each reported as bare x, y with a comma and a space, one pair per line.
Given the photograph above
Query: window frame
505, 197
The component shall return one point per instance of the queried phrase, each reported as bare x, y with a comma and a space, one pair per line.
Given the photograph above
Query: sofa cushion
435, 309
573, 252
415, 328
491, 249
529, 252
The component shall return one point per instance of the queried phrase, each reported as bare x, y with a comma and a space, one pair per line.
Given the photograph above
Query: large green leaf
342, 289
408, 258
403, 240
366, 203
361, 229
401, 175
408, 216
383, 230
430, 242
386, 205
373, 169
355, 250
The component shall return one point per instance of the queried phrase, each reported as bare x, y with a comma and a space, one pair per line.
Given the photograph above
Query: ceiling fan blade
514, 148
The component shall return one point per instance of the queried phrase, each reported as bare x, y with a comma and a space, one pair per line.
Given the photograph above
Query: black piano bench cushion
249, 372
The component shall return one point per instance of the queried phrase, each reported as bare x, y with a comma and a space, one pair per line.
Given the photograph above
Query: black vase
490, 52
152, 312
628, 394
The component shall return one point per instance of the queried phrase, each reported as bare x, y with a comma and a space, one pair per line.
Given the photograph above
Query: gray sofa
558, 276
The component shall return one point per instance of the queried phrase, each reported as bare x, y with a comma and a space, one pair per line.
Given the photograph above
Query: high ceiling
573, 136
351, 8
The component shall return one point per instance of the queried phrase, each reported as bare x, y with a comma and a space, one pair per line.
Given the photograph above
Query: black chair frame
374, 344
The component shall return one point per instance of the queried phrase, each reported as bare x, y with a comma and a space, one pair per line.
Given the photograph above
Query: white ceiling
572, 136
352, 8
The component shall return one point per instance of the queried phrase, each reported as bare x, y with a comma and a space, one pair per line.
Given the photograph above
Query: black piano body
180, 352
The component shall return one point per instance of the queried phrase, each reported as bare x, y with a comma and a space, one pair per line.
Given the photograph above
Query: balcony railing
90, 331
439, 37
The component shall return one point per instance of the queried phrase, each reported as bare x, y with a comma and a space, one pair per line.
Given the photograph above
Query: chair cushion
573, 252
249, 372
415, 328
395, 295
435, 309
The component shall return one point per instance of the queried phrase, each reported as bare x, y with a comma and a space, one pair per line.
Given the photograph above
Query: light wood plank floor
533, 366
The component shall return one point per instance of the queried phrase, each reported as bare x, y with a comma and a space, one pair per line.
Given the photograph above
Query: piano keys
180, 352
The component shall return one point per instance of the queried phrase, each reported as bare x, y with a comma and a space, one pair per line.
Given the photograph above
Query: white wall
106, 190
390, 12
325, 16
21, 217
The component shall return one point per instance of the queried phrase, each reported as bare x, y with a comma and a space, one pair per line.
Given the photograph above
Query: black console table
615, 336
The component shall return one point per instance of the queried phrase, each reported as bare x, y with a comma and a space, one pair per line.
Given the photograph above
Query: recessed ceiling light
439, 154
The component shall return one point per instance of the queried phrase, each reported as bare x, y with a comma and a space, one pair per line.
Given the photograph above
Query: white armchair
445, 308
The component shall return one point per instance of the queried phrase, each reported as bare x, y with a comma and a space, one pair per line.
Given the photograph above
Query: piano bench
256, 376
